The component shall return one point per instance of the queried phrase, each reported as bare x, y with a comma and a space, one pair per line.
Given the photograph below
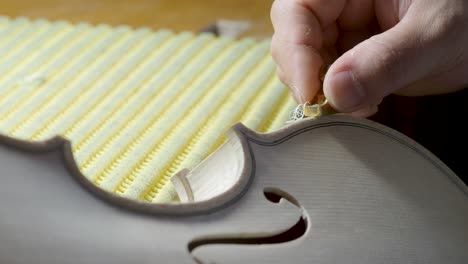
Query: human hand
374, 47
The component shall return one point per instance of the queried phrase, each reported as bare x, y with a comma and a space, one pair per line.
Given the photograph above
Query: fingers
299, 67
409, 57
324, 11
376, 67
356, 14
301, 28
366, 112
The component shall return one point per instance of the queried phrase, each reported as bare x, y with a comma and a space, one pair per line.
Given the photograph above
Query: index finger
297, 40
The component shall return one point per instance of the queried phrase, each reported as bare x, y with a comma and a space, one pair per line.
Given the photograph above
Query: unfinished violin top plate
330, 190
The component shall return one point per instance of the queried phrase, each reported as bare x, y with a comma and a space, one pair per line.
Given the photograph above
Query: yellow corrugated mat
137, 105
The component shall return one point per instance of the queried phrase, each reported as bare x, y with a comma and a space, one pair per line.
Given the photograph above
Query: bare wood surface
177, 15
364, 193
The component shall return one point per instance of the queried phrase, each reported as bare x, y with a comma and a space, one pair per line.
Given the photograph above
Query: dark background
437, 122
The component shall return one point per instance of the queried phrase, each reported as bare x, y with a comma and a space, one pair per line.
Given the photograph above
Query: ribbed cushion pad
137, 105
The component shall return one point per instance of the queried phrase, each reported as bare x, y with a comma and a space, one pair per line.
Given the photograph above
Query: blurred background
179, 15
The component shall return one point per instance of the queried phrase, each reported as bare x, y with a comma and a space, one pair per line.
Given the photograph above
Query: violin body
330, 190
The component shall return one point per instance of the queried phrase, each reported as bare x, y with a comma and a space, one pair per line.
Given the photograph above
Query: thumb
376, 67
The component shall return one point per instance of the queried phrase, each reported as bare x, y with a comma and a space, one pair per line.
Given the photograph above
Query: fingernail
348, 93
298, 94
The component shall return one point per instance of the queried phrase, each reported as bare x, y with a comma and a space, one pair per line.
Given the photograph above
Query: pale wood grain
367, 193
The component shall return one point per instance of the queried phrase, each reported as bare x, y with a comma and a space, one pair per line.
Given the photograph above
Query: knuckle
384, 52
305, 35
277, 9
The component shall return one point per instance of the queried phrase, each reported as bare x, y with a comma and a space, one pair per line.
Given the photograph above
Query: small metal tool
317, 108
